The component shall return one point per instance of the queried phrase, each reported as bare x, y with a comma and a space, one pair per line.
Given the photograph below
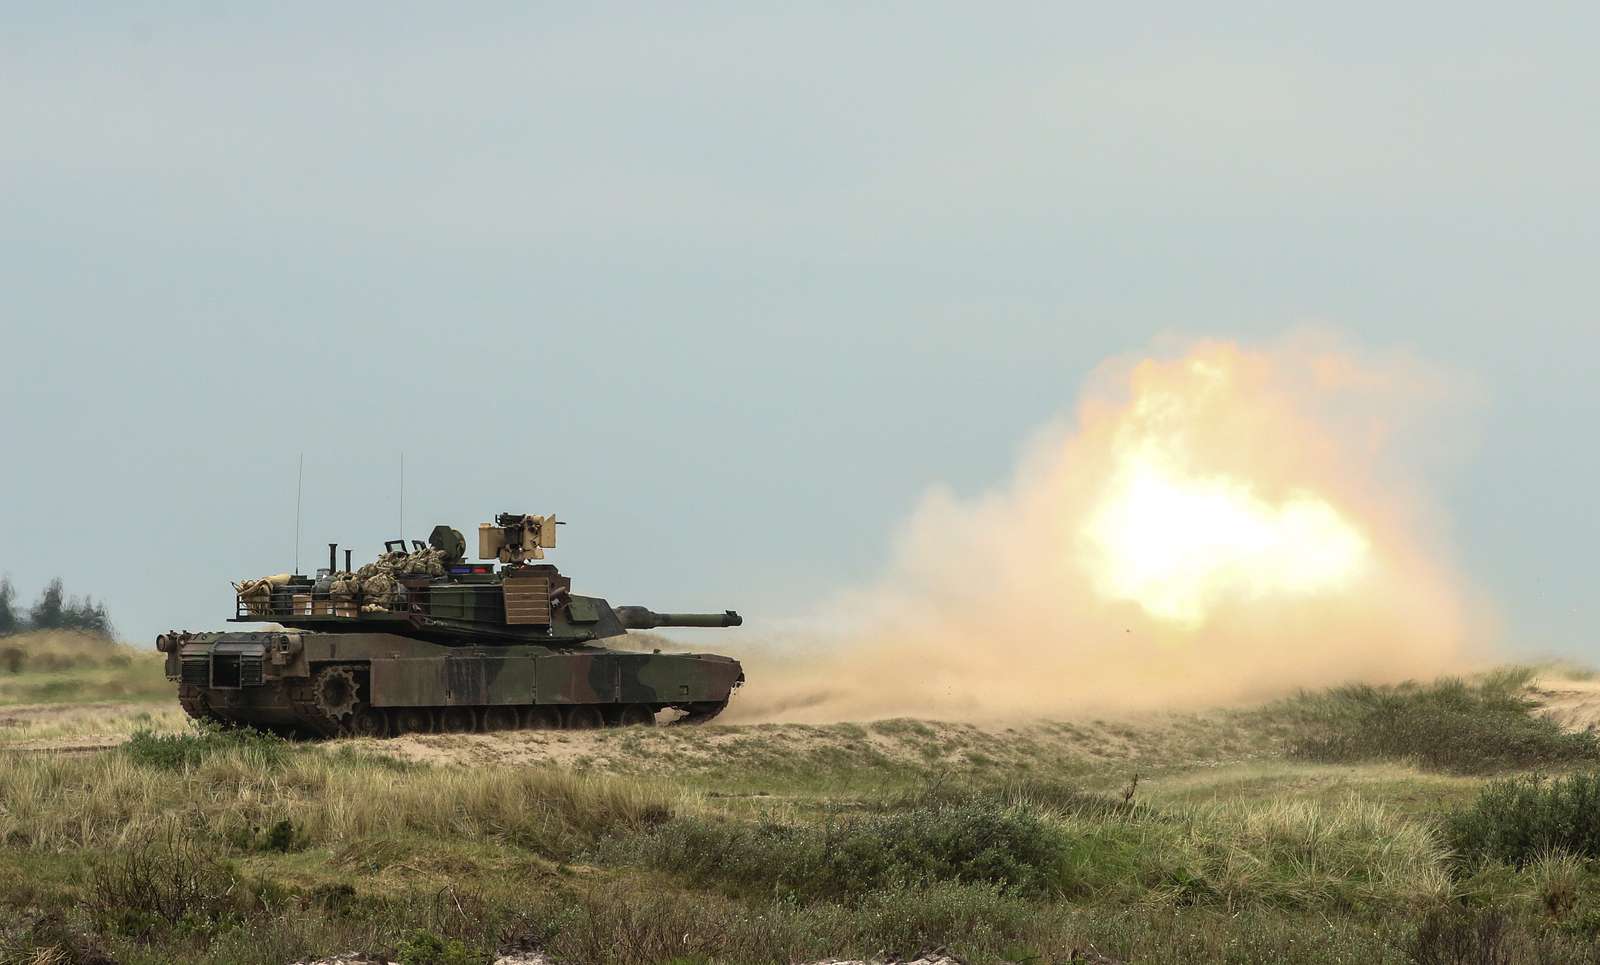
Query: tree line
54, 610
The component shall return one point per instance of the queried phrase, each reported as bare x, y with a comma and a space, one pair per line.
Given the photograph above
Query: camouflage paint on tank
446, 644
416, 673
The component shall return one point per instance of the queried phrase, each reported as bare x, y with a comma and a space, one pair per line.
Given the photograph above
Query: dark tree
9, 623
99, 623
86, 616
47, 613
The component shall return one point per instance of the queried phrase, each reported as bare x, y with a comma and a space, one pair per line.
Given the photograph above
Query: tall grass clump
1282, 853
1453, 725
1300, 854
1518, 820
231, 787
1044, 795
178, 752
1012, 849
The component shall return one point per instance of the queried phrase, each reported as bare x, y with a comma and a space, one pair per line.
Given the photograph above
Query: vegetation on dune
1014, 850
1525, 818
54, 666
186, 751
230, 784
1024, 844
63, 648
1468, 727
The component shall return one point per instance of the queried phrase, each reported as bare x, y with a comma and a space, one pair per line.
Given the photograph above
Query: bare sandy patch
1574, 704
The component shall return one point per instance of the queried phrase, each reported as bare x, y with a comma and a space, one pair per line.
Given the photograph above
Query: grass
53, 666
95, 725
187, 751
1453, 725
227, 785
1013, 850
1310, 830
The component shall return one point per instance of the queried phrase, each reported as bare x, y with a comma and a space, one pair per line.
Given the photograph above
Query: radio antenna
299, 490
402, 533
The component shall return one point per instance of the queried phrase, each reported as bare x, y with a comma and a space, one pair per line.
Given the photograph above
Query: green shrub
1449, 725
426, 948
283, 837
1517, 820
178, 752
165, 882
912, 919
1008, 847
1493, 937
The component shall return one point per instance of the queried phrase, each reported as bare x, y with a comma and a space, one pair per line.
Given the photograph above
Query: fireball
1220, 522
1179, 540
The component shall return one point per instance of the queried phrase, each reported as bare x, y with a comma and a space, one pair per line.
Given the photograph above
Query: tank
424, 640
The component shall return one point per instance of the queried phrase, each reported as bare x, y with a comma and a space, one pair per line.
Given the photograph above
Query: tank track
193, 701
308, 716
311, 722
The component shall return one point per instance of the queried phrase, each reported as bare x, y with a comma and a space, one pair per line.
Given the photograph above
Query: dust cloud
1218, 523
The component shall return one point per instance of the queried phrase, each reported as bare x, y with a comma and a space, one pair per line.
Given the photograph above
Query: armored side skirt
379, 683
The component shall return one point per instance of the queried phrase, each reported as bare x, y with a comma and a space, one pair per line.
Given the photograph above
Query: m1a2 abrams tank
424, 640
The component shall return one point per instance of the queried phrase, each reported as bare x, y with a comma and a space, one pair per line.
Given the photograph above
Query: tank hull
384, 684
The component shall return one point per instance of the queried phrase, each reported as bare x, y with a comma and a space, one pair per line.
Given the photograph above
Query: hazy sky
729, 289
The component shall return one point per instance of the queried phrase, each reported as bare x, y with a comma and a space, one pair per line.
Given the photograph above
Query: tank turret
423, 639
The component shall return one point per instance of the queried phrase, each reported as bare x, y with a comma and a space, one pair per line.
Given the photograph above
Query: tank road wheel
369, 722
457, 720
499, 718
541, 717
412, 720
636, 715
583, 717
336, 693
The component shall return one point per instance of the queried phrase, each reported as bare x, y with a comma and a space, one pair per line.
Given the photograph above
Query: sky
729, 288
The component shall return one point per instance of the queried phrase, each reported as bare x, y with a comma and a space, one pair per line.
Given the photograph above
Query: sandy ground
900, 741
88, 727
1574, 704
68, 728
669, 746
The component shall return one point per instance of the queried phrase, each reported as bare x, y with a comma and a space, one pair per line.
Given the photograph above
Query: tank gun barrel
644, 618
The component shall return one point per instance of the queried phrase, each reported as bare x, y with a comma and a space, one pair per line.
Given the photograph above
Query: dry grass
1300, 853
106, 800
54, 666
694, 843
45, 727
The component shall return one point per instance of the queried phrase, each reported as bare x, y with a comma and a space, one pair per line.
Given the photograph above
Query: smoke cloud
1218, 523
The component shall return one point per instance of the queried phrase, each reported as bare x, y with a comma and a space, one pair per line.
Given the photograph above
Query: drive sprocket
336, 692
